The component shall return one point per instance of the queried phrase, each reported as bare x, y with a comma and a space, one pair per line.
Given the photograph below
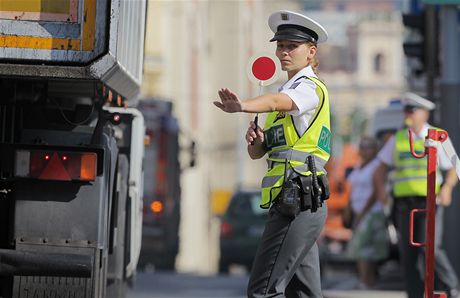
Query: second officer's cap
288, 25
410, 99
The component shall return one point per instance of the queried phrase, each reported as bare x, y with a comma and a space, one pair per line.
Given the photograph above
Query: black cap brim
287, 37
294, 33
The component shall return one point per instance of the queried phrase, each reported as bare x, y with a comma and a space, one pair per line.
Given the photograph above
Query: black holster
301, 193
288, 202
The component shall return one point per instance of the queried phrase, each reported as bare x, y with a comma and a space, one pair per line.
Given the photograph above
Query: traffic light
422, 44
416, 46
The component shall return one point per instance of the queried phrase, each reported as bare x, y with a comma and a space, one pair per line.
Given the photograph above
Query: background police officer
409, 192
297, 130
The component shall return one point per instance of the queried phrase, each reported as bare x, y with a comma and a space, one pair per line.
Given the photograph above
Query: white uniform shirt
386, 153
360, 180
302, 91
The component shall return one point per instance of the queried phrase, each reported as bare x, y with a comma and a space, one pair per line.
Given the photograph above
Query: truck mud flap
51, 287
47, 275
14, 262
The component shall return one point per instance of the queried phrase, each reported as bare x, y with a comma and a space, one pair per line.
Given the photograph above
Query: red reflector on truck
56, 165
53, 169
156, 207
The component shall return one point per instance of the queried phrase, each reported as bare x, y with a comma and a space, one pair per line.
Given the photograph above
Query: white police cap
288, 25
412, 99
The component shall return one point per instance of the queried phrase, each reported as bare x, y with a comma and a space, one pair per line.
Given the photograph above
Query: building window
379, 63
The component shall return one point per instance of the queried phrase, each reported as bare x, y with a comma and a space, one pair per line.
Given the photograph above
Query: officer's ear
311, 51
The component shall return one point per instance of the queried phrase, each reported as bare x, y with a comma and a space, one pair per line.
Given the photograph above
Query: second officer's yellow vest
283, 142
410, 177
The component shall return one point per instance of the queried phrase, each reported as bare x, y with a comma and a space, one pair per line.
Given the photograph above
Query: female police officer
296, 137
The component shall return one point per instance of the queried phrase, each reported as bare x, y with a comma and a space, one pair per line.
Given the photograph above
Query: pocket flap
306, 183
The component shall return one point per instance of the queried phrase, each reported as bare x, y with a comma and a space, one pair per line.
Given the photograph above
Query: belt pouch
306, 197
324, 183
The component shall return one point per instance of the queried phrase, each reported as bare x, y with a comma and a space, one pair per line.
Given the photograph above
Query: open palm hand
230, 101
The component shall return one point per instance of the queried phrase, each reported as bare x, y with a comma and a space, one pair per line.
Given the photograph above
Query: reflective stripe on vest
410, 177
283, 142
294, 155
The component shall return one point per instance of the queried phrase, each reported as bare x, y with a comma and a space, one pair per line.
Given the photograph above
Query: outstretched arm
268, 102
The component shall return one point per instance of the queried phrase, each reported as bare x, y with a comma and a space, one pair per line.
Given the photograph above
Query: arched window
379, 63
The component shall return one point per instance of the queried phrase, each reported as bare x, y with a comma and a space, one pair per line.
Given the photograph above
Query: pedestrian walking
369, 243
409, 192
296, 138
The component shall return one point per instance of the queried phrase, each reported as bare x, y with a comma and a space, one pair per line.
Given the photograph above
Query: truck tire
116, 279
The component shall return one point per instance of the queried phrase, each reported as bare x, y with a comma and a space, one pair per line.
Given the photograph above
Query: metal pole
430, 215
450, 71
431, 49
434, 136
450, 110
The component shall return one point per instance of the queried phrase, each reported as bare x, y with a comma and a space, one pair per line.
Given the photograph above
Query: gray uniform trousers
287, 261
412, 258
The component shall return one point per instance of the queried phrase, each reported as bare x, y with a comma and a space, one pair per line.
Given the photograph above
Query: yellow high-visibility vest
410, 176
283, 142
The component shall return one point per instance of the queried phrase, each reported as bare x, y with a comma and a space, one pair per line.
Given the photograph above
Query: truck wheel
116, 280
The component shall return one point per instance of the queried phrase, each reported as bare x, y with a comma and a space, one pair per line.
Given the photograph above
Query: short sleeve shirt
302, 92
360, 180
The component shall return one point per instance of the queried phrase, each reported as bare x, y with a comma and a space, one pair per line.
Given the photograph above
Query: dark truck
70, 168
162, 191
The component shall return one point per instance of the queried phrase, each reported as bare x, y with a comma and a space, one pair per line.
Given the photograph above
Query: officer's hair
314, 63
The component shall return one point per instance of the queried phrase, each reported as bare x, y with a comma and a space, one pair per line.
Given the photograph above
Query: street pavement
184, 285
342, 283
363, 294
337, 283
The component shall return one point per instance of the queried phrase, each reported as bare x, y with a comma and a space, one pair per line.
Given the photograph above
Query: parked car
241, 229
